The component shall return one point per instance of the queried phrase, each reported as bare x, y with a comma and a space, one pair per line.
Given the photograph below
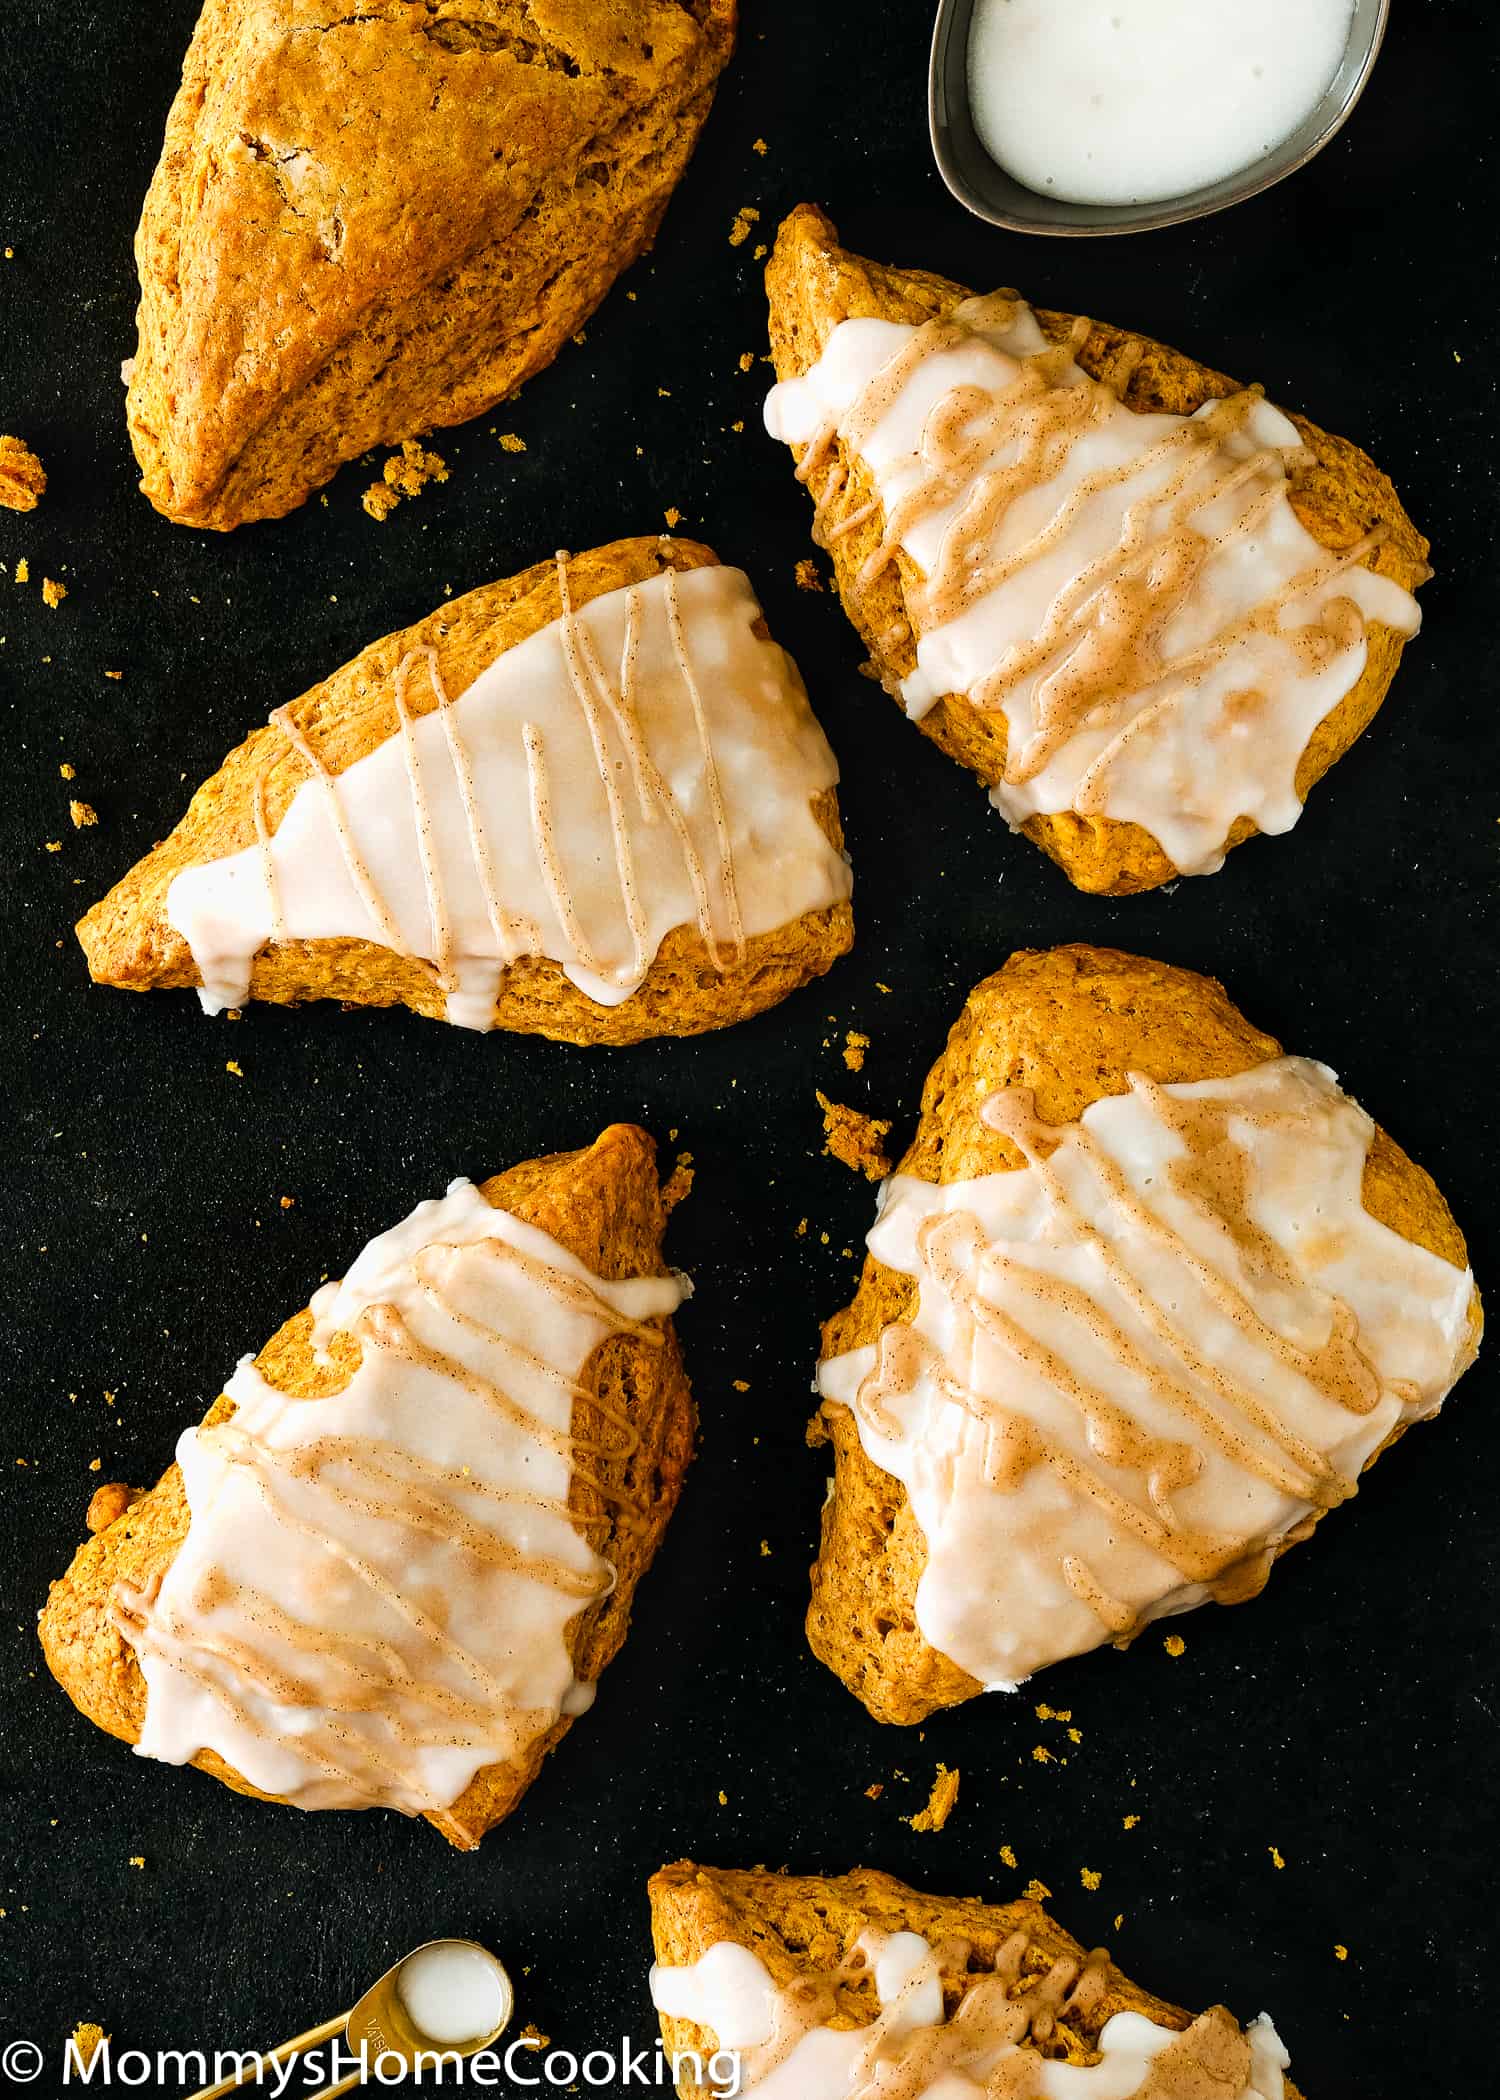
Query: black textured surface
1347, 1720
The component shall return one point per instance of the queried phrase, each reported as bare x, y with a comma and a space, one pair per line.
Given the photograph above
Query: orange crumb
23, 570
747, 359
509, 442
67, 771
1054, 1713
54, 845
379, 501
678, 1183
765, 1549
808, 578
855, 1046
53, 592
1175, 1644
83, 814
1037, 1891
23, 479
873, 1793
744, 219
95, 1464
1340, 1952
1131, 1821
1090, 1877
723, 1798
287, 1202
941, 1801
741, 1385
114, 674
233, 1065
1276, 1858
673, 517
137, 1859
760, 146
88, 2037
1008, 1855
854, 1139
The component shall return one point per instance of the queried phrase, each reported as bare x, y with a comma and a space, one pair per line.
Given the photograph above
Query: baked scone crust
795, 1923
813, 284
129, 943
602, 1204
1070, 1023
369, 222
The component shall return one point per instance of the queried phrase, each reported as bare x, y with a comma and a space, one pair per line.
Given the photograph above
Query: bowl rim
954, 16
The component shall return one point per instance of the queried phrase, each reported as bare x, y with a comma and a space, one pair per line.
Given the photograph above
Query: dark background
1348, 1718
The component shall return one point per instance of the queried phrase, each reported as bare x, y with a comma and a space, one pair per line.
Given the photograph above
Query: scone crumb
744, 219
88, 2039
410, 470
379, 501
137, 1859
1036, 1891
874, 1792
1041, 1755
673, 517
1090, 1877
941, 1801
53, 592
233, 1067
741, 1385
116, 675
54, 845
1008, 1855
23, 478
95, 1464
678, 1183
808, 577
765, 1549
1175, 1645
1276, 1859
723, 1798
801, 1232
106, 1504
1340, 1951
1130, 1822
854, 1139
856, 1043
287, 1202
23, 570
67, 771
83, 814
509, 442
1054, 1713
760, 146
747, 359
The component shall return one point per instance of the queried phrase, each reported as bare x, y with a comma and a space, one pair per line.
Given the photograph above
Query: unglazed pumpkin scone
390, 1565
590, 803
367, 223
1147, 608
855, 1987
1141, 1302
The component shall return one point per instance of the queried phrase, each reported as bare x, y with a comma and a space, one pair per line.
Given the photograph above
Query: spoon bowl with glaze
447, 1997
991, 192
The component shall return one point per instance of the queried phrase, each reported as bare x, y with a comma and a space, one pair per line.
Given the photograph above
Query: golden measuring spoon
383, 2023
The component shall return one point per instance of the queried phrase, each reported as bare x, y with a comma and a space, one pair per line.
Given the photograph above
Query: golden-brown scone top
807, 1924
1070, 1023
129, 942
604, 1206
370, 221
813, 284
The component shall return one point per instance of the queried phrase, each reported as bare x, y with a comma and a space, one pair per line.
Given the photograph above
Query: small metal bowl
991, 194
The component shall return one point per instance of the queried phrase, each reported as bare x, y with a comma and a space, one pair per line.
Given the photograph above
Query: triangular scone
619, 823
1194, 1321
1100, 662
995, 1994
367, 223
630, 1425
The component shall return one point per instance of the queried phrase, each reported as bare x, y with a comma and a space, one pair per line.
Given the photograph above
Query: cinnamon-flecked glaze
130, 941
602, 1205
1335, 493
1069, 1024
366, 223
803, 1928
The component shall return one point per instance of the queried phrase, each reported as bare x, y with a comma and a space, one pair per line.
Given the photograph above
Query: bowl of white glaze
992, 192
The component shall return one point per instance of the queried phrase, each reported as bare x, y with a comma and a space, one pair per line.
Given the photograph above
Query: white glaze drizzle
471, 837
1134, 592
1144, 1359
373, 1598
914, 2050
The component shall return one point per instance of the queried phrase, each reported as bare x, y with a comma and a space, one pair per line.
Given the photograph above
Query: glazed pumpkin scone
1147, 608
1141, 1302
369, 222
389, 1567
849, 1987
590, 803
